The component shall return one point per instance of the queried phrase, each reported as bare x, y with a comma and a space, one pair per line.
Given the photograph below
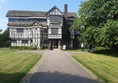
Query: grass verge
14, 66
105, 67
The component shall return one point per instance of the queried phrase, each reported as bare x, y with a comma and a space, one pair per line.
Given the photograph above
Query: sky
34, 5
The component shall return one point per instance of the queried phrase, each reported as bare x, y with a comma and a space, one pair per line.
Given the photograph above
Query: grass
73, 50
103, 64
14, 65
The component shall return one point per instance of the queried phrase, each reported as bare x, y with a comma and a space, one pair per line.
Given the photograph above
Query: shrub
24, 47
34, 48
109, 34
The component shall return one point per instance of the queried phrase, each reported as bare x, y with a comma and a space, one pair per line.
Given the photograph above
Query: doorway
54, 44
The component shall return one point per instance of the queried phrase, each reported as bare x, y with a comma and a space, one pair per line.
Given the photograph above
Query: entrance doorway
54, 44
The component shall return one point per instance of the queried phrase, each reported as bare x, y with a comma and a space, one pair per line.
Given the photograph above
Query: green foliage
75, 24
34, 47
98, 23
14, 47
0, 30
106, 36
89, 35
109, 34
24, 47
96, 12
4, 39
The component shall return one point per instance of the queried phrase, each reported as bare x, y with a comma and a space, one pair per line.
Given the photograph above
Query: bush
89, 36
14, 47
24, 47
34, 48
106, 36
109, 34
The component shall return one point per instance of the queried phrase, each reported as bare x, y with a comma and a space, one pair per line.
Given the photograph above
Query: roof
22, 13
55, 8
44, 24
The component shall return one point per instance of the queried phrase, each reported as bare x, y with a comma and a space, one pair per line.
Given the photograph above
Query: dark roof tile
18, 13
22, 13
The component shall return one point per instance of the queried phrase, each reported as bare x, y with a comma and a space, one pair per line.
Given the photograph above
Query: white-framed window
59, 31
25, 41
20, 30
49, 31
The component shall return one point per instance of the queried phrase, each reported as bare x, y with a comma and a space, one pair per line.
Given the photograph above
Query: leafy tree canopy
0, 30
109, 34
97, 12
4, 39
98, 23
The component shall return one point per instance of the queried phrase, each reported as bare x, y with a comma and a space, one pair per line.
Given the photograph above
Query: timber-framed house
40, 28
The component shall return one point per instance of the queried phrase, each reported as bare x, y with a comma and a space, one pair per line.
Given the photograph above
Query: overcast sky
36, 5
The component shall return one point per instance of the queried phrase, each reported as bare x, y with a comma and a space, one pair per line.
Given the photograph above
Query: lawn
104, 66
14, 65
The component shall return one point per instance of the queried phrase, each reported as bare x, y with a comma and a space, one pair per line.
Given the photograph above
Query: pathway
57, 67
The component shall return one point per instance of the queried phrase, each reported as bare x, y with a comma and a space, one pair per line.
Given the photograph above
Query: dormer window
20, 30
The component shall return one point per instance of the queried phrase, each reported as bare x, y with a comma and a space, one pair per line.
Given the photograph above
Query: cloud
2, 1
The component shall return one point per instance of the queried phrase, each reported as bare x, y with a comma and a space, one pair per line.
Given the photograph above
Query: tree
98, 21
75, 24
5, 40
76, 31
89, 36
0, 30
97, 12
109, 34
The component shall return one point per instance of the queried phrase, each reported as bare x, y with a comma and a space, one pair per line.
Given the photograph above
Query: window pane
19, 30
54, 31
24, 41
55, 18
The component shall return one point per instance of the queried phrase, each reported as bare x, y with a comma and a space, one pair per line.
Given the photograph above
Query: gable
54, 11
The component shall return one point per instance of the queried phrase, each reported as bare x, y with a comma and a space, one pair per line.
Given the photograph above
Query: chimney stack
65, 10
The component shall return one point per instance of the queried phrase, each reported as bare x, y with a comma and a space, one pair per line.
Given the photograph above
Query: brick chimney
65, 24
65, 10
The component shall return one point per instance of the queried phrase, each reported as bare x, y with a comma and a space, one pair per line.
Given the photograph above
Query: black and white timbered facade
41, 29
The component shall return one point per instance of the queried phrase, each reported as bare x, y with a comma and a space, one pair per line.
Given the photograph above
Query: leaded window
54, 31
24, 41
54, 18
20, 30
13, 41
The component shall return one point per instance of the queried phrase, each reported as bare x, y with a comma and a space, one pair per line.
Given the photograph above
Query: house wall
40, 29
55, 23
28, 36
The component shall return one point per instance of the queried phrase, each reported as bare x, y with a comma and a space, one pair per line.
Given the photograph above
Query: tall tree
0, 30
98, 21
97, 12
109, 34
5, 40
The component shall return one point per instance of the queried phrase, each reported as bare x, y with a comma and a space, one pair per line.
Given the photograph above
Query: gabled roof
54, 8
23, 13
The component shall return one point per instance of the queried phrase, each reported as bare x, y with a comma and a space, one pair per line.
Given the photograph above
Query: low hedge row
24, 47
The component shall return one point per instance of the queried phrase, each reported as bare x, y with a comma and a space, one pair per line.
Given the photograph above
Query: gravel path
57, 67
